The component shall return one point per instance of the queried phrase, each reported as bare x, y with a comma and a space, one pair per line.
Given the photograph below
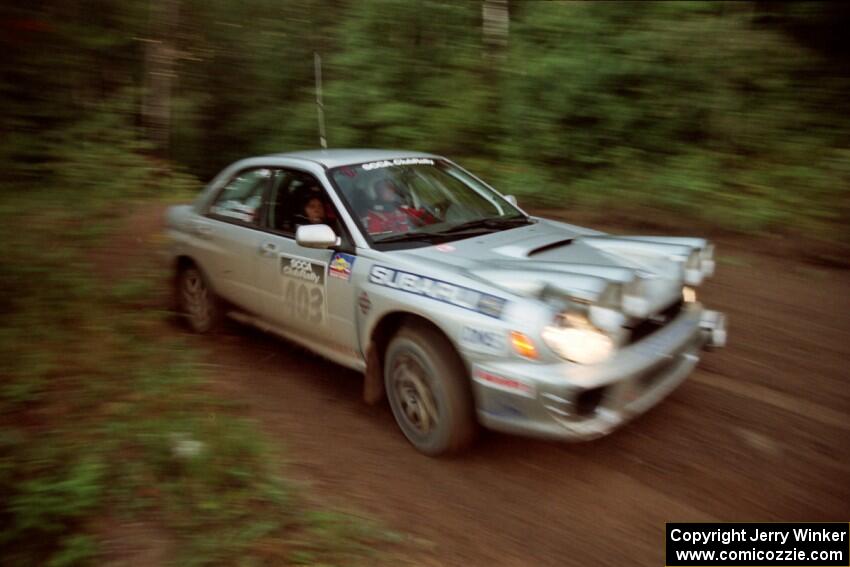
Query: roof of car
338, 157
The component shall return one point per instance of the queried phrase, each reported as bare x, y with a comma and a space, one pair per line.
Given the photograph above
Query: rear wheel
428, 391
196, 301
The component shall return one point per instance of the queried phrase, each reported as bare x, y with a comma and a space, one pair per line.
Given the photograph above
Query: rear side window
241, 198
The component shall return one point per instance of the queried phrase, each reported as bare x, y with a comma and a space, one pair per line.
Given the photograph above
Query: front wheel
196, 301
429, 391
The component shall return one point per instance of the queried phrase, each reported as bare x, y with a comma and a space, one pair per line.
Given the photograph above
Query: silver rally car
458, 306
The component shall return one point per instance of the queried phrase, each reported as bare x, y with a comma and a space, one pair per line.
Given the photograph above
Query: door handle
268, 248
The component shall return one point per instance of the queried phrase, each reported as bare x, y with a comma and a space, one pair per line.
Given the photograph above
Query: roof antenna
317, 61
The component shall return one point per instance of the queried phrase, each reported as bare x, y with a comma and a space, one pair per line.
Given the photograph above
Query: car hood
575, 261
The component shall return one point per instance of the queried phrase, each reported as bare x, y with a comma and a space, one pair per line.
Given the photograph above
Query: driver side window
297, 198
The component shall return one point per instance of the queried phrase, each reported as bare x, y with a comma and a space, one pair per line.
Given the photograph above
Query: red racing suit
399, 220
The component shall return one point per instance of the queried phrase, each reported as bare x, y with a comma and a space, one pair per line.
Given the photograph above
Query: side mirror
511, 199
316, 236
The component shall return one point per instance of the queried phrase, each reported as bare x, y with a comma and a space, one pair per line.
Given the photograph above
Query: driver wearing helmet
389, 213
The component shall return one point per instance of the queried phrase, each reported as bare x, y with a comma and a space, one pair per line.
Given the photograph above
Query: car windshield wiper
489, 223
475, 226
407, 237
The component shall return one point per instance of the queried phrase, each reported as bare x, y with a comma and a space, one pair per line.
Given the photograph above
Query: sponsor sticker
438, 290
340, 266
303, 269
483, 340
505, 410
394, 162
303, 289
445, 247
490, 305
510, 385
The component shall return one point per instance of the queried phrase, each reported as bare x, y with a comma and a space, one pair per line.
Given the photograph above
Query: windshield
421, 200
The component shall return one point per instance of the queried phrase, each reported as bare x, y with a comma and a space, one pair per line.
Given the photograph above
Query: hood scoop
527, 248
551, 246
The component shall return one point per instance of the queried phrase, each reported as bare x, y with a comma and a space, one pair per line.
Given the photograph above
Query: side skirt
352, 361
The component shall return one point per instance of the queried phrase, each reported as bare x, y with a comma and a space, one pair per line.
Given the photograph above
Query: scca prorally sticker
483, 340
438, 290
394, 162
340, 266
511, 385
303, 289
302, 269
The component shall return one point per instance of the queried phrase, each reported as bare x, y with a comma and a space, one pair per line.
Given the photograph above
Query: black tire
196, 301
429, 391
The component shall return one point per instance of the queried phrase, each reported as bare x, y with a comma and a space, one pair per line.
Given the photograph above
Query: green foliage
396, 74
686, 108
105, 419
726, 111
45, 501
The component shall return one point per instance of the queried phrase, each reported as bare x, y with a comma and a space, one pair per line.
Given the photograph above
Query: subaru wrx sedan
456, 305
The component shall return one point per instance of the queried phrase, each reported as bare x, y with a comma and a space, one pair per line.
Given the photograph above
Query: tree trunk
160, 57
495, 23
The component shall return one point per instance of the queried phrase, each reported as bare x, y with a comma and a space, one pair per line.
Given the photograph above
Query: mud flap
373, 382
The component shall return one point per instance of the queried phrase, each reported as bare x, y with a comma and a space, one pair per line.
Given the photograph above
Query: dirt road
760, 432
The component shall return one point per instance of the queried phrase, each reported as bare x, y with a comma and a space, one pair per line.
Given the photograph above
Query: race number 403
303, 289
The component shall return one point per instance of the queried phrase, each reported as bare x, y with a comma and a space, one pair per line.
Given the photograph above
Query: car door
228, 236
306, 291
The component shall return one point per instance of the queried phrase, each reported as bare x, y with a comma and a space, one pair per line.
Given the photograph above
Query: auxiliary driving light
582, 345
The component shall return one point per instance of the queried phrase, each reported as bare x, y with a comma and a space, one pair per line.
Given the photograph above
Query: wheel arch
183, 261
180, 263
379, 339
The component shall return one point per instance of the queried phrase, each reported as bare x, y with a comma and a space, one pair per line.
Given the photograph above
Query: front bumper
569, 401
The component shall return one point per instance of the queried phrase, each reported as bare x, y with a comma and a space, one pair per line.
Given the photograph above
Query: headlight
577, 340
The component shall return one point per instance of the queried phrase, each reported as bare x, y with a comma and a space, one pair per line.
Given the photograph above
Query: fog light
523, 345
588, 401
585, 346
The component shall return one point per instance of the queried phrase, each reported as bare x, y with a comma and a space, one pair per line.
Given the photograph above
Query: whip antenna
323, 141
